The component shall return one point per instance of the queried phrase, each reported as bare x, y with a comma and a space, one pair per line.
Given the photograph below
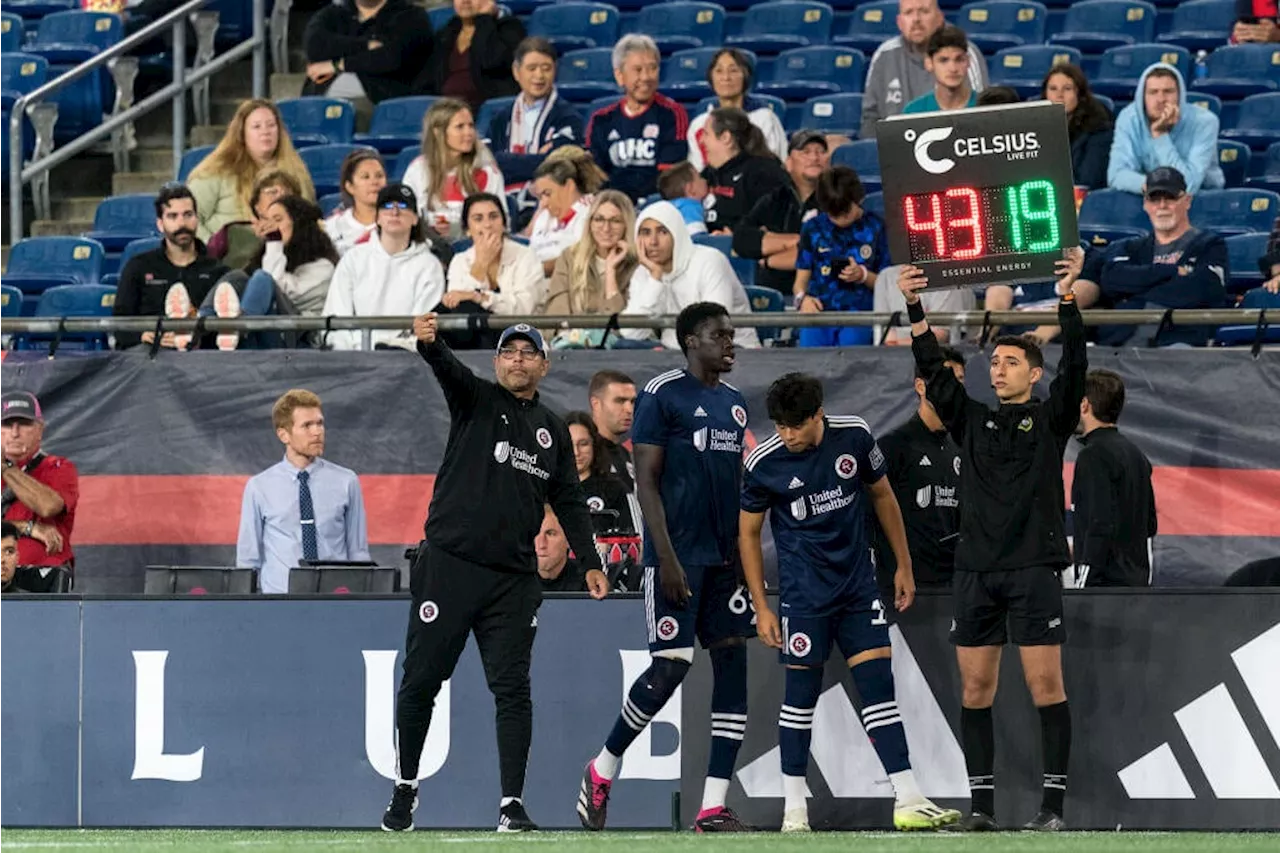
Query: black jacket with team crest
505, 459
1012, 508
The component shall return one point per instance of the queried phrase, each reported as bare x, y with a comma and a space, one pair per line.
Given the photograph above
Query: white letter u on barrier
149, 759
380, 714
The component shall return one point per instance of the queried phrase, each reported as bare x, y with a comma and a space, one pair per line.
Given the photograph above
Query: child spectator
687, 190
362, 177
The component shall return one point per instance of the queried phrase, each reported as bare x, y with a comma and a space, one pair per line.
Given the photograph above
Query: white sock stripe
982, 787
1055, 785
881, 723
728, 735
635, 713
724, 715
798, 726
879, 715
631, 721
880, 707
728, 727
799, 712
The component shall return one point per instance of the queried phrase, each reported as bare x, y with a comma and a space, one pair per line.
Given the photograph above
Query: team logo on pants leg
799, 645
668, 628
428, 611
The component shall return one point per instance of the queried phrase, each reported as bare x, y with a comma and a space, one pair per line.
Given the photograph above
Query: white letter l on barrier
149, 759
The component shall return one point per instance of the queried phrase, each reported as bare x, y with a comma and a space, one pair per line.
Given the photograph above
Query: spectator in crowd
302, 508
605, 491
730, 76
593, 276
473, 53
947, 59
840, 252
170, 279
675, 273
1161, 129
9, 559
453, 165
897, 74
740, 168
1175, 266
256, 141
1111, 494
996, 95
236, 243
644, 132
362, 177
1257, 22
495, 273
1088, 124
689, 192
538, 121
289, 275
41, 491
563, 184
887, 299
558, 571
612, 398
1269, 263
394, 275
366, 49
770, 232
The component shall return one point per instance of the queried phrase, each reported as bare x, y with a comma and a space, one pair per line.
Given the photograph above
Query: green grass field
229, 841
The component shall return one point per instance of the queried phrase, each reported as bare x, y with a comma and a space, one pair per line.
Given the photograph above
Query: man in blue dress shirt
301, 508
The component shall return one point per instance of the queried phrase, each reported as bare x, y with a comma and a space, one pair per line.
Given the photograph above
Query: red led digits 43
964, 223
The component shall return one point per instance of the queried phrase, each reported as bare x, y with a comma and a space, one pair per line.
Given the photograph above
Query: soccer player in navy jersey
813, 478
688, 438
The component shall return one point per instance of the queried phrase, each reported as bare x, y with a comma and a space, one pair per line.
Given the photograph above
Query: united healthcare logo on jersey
710, 438
927, 147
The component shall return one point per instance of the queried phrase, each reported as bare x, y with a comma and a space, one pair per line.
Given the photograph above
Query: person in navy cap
40, 489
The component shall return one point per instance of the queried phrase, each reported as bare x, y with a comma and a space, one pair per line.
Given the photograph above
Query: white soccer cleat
796, 820
923, 815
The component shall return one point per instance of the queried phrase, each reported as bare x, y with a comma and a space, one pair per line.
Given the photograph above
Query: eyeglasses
608, 221
523, 353
396, 205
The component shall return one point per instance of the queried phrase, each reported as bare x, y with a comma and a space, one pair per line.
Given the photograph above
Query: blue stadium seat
123, 218
1109, 215
1243, 253
69, 38
403, 159
775, 27
235, 20
583, 75
491, 108
1236, 335
863, 157
776, 105
1108, 103
840, 113
440, 16
573, 26
809, 72
874, 202
595, 106
12, 33
329, 203
680, 25
34, 10
1212, 103
10, 301
324, 162
1201, 24
1270, 177
996, 24
1023, 68
763, 300
192, 158
1240, 70
134, 247
1121, 67
1234, 158
524, 7
870, 25
21, 73
74, 300
745, 268
396, 123
1095, 25
1258, 122
318, 121
63, 260
1237, 211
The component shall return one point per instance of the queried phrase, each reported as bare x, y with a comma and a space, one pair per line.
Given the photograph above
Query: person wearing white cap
675, 272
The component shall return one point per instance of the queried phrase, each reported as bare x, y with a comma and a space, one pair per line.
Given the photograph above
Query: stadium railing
123, 69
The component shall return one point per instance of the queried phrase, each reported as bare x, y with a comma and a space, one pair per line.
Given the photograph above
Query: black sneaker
399, 815
513, 818
1046, 821
723, 820
975, 822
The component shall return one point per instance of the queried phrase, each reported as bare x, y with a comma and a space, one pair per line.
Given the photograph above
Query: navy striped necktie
308, 514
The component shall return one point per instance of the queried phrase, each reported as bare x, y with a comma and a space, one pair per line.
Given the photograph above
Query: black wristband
915, 311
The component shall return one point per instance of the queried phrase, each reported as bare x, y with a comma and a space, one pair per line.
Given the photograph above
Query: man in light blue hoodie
1161, 129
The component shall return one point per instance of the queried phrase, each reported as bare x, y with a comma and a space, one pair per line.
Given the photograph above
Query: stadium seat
192, 158
1234, 158
403, 159
72, 300
834, 114
10, 301
1023, 68
198, 580
861, 155
12, 33
55, 261
333, 580
34, 10
1243, 253
396, 123
583, 75
1095, 25
776, 105
596, 105
997, 24
440, 16
1240, 70
682, 25
775, 27
1109, 215
574, 26
69, 38
1237, 335
123, 218
1258, 121
1201, 24
235, 20
21, 73
684, 73
809, 72
874, 203
523, 7
870, 25
766, 299
491, 108
745, 269
318, 121
1122, 67
1270, 177
329, 203
324, 162
142, 244
1237, 211
1212, 103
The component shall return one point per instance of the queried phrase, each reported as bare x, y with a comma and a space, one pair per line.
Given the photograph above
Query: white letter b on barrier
380, 714
149, 759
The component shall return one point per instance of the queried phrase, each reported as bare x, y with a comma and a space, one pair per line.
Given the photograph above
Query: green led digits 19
966, 223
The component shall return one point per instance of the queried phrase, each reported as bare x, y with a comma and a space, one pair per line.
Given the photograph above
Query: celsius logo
1013, 146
